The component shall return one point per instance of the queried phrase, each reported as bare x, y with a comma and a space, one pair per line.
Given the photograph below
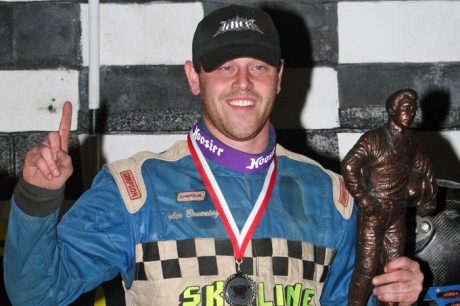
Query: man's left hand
401, 282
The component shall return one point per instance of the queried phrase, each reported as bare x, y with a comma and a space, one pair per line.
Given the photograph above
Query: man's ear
192, 77
280, 74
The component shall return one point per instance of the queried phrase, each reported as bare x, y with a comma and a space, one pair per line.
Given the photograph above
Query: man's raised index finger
64, 126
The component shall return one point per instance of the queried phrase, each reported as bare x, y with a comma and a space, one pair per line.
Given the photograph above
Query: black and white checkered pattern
209, 256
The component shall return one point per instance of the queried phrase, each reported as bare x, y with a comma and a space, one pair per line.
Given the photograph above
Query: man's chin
243, 134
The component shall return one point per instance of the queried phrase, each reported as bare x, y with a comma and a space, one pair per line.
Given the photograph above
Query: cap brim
215, 58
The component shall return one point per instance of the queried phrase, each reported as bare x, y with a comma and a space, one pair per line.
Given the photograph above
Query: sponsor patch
343, 199
131, 184
449, 294
261, 160
191, 196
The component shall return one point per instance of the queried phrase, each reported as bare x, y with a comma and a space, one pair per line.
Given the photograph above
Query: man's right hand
48, 164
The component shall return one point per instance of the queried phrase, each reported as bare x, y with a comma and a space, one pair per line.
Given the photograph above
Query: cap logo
238, 24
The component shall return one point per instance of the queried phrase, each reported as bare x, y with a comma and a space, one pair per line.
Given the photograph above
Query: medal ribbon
241, 239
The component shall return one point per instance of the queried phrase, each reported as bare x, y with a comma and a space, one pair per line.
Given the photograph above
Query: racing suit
151, 219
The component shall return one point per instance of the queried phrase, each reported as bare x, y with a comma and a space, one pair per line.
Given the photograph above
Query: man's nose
243, 80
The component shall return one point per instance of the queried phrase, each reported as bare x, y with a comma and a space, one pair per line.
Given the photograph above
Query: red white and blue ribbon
239, 239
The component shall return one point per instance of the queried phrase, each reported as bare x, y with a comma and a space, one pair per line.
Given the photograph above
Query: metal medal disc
239, 290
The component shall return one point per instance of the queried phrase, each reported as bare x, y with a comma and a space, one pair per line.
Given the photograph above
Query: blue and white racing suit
151, 219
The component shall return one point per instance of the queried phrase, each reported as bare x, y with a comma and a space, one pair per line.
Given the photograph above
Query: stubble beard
231, 127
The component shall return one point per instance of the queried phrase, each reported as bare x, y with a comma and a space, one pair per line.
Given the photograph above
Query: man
255, 222
385, 171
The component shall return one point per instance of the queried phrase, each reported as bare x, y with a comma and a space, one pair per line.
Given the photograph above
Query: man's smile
241, 102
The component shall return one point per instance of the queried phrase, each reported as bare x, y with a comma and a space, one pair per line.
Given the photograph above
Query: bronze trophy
385, 171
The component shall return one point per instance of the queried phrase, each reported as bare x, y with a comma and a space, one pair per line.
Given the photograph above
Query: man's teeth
241, 102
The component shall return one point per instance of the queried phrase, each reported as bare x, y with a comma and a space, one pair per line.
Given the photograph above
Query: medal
239, 289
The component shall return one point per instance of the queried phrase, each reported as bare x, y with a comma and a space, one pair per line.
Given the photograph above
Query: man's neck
395, 129
396, 133
255, 145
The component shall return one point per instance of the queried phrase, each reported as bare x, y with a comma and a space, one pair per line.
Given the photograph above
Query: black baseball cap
235, 31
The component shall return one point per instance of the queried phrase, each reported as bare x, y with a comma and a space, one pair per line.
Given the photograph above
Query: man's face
404, 112
237, 98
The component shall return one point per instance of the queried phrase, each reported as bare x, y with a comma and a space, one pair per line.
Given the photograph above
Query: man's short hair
399, 95
197, 67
